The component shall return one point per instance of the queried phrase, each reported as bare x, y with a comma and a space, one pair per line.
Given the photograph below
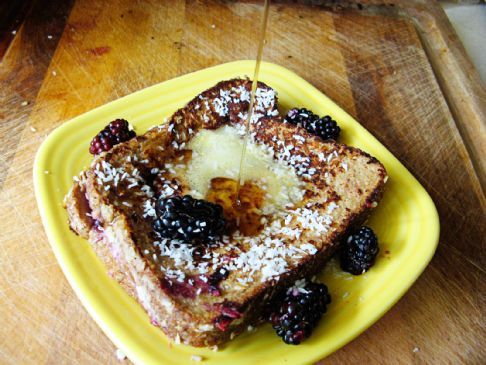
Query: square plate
406, 222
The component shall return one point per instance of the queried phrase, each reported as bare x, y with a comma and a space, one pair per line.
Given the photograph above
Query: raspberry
324, 127
114, 133
359, 251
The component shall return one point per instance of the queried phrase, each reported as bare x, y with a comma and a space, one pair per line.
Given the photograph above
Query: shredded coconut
120, 355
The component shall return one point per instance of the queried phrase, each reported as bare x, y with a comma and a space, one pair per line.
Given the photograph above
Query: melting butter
216, 153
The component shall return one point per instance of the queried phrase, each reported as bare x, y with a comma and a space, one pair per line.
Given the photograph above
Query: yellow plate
406, 223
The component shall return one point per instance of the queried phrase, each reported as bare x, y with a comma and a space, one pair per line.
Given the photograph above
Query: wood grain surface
376, 62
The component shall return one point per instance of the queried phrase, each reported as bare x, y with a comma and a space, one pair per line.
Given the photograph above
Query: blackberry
324, 127
300, 311
188, 219
114, 133
359, 251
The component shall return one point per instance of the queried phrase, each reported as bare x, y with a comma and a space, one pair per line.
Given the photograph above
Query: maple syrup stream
254, 83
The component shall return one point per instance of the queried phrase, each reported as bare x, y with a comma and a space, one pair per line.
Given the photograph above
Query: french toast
204, 295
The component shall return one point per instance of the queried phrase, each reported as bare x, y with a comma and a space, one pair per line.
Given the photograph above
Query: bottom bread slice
111, 205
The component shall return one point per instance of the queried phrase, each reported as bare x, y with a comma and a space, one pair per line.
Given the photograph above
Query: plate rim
137, 354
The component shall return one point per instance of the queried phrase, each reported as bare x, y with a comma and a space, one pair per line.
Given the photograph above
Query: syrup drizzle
254, 84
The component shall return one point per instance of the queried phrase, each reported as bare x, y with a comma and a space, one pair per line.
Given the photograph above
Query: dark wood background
398, 68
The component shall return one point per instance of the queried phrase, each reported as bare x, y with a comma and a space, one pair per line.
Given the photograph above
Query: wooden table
398, 68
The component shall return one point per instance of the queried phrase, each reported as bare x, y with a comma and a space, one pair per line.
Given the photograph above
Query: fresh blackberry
359, 251
114, 133
324, 127
300, 311
188, 219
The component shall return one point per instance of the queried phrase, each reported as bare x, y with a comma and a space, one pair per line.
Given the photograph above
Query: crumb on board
416, 349
33, 129
54, 73
24, 103
196, 358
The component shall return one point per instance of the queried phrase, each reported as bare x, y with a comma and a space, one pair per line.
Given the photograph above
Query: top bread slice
204, 296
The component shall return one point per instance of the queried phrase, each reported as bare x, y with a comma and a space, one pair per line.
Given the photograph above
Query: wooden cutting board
399, 69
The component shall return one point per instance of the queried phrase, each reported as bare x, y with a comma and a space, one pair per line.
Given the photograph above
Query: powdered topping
108, 175
149, 209
268, 255
182, 256
264, 257
168, 187
264, 102
292, 154
312, 219
298, 287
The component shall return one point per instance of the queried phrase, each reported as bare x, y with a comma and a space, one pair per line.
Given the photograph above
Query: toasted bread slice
205, 295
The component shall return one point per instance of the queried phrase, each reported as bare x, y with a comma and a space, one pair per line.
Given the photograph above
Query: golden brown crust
332, 173
78, 210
